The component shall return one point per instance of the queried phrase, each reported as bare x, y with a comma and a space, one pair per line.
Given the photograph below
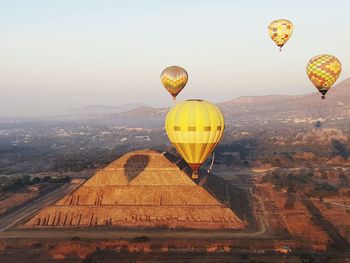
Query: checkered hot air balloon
280, 31
323, 71
194, 127
174, 79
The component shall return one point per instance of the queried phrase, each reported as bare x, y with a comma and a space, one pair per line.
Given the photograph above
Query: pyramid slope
140, 189
144, 167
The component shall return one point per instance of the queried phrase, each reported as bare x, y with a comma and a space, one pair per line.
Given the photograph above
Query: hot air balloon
280, 31
174, 79
323, 71
194, 127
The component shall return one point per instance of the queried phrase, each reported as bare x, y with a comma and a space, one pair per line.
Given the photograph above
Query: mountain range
248, 108
103, 109
336, 104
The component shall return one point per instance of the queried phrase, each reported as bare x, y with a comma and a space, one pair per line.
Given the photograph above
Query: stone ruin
142, 189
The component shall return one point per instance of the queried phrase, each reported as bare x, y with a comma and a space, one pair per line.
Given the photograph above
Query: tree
36, 180
340, 148
318, 124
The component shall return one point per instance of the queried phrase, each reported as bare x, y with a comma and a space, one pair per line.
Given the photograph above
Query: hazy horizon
61, 55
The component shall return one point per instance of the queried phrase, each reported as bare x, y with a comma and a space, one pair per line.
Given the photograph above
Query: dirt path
27, 211
327, 226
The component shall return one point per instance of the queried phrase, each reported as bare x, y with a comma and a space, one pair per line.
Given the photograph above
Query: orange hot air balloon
323, 71
174, 79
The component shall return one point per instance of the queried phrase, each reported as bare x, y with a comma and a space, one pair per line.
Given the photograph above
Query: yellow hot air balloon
174, 79
280, 31
194, 127
323, 71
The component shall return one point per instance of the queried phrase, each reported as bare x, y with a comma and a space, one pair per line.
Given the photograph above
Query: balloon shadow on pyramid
135, 165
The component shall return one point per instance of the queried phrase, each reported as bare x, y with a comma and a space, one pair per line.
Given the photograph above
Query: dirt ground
15, 199
80, 251
296, 219
337, 210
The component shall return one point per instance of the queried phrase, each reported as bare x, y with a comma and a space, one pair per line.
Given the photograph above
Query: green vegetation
322, 190
340, 148
109, 255
292, 182
291, 198
16, 184
318, 124
141, 239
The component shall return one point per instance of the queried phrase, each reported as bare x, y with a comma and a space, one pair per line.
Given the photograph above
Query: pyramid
142, 189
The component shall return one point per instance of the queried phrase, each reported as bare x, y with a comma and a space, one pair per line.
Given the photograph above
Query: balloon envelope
323, 71
194, 127
280, 31
174, 79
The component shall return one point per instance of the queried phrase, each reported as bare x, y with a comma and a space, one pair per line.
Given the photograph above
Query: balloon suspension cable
211, 163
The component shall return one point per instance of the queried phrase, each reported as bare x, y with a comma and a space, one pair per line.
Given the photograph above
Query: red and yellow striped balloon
323, 71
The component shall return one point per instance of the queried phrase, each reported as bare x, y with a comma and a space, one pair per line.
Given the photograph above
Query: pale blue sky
56, 55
